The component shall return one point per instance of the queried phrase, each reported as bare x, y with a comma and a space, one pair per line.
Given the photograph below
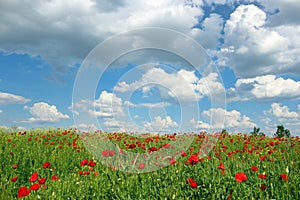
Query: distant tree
282, 132
224, 131
256, 132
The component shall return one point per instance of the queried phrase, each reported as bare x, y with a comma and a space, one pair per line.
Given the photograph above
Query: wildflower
35, 186
193, 159
254, 168
142, 166
54, 178
23, 192
221, 166
240, 177
14, 179
42, 180
263, 187
33, 177
46, 165
84, 162
284, 177
262, 176
192, 182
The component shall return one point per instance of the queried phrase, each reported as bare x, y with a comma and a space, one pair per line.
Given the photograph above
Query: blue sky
254, 46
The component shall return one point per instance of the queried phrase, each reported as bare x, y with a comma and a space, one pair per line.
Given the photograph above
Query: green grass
64, 149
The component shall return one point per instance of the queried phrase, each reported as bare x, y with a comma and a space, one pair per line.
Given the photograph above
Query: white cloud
63, 32
223, 119
191, 88
199, 124
287, 12
43, 112
160, 124
1, 111
259, 49
7, 98
147, 105
107, 105
266, 87
279, 110
210, 34
282, 114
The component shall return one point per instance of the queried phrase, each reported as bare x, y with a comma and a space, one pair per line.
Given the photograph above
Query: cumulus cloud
258, 49
267, 87
223, 119
1, 111
282, 114
284, 12
107, 105
160, 124
191, 88
199, 124
63, 32
147, 105
210, 33
7, 98
43, 112
282, 111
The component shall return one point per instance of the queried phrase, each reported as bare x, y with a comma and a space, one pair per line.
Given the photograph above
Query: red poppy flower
183, 154
254, 168
193, 184
172, 161
221, 166
240, 177
262, 158
92, 163
33, 177
108, 153
35, 186
142, 166
42, 180
193, 159
15, 166
153, 149
111, 153
86, 173
263, 187
14, 179
262, 176
54, 178
96, 174
23, 192
46, 165
84, 162
284, 177
189, 180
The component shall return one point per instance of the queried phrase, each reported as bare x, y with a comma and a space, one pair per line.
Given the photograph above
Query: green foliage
256, 132
282, 132
224, 131
64, 150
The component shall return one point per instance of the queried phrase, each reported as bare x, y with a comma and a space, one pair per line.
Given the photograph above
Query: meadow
56, 164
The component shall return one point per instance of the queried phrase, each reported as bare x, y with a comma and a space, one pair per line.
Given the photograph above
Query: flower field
56, 164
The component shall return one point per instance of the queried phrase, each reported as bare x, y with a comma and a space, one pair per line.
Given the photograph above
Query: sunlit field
55, 164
